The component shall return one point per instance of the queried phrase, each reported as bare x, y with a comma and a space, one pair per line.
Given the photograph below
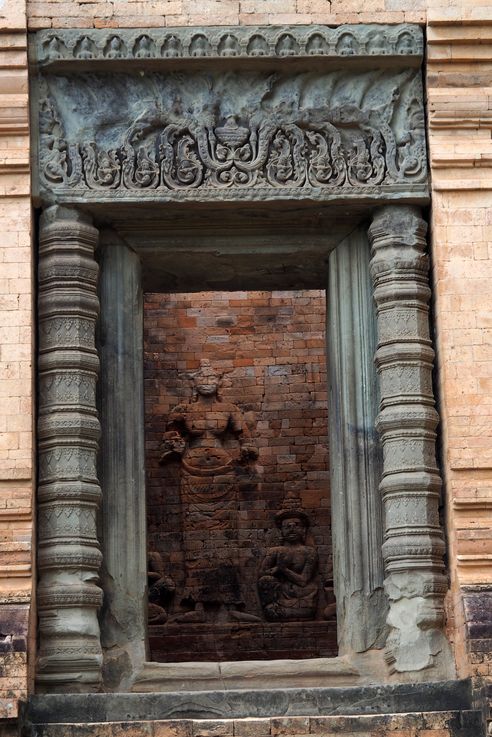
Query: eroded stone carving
288, 584
161, 588
206, 136
216, 42
413, 548
69, 558
214, 446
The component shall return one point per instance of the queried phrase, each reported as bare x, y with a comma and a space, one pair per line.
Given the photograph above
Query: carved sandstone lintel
141, 46
413, 548
244, 135
69, 657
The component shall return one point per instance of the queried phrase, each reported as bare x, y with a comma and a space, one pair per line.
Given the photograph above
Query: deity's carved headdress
206, 369
291, 508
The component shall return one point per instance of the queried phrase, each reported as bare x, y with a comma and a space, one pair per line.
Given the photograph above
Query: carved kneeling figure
288, 585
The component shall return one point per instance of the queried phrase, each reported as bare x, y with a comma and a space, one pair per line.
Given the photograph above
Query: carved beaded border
227, 42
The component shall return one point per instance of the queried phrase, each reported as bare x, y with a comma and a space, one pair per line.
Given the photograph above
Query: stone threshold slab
238, 704
242, 674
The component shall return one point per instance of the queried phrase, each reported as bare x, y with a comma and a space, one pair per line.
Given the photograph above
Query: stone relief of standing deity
213, 444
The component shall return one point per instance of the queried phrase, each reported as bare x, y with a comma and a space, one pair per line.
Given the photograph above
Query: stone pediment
329, 129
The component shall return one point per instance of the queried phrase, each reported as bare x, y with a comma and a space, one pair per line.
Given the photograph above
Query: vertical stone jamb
354, 448
413, 543
124, 576
69, 657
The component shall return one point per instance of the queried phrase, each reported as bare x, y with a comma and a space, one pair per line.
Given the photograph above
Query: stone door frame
403, 485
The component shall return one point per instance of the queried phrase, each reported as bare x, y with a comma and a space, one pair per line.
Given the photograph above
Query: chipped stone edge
166, 676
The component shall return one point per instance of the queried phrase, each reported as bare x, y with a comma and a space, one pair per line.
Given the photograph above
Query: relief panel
232, 135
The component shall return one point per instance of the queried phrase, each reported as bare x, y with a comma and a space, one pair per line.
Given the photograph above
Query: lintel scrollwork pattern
212, 136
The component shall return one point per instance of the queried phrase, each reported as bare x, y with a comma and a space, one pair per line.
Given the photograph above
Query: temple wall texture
458, 84
460, 123
136, 13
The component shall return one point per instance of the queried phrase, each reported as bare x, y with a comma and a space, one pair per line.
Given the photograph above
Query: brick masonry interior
214, 540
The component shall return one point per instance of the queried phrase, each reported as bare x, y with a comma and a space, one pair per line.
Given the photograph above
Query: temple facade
245, 341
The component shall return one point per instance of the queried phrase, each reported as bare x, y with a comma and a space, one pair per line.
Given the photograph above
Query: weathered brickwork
271, 348
460, 146
16, 345
169, 13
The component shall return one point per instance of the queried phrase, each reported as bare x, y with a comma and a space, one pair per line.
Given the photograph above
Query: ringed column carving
413, 546
69, 495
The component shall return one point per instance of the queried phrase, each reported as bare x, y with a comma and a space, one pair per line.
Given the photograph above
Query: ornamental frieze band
252, 43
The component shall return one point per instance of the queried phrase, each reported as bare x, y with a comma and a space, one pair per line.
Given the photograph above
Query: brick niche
271, 348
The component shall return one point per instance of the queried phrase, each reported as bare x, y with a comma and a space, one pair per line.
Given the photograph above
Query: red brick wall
272, 347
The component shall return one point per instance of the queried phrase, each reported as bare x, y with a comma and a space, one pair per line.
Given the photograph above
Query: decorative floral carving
285, 145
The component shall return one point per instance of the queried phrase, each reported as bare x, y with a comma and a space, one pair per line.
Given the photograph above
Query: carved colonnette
68, 597
414, 546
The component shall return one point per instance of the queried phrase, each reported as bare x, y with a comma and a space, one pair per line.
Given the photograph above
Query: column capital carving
387, 220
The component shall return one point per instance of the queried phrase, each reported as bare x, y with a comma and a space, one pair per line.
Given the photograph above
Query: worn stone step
465, 723
242, 703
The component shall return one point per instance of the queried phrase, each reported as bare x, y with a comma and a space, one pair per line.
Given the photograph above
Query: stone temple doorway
260, 253
250, 159
233, 248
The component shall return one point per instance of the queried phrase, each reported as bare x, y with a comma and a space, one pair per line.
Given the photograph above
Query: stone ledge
239, 704
251, 674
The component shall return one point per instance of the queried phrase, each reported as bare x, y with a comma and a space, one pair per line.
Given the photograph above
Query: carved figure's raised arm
240, 428
174, 439
268, 566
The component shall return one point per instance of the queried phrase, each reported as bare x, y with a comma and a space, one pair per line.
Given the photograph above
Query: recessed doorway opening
238, 497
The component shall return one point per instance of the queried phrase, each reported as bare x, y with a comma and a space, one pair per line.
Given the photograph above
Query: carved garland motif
344, 147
